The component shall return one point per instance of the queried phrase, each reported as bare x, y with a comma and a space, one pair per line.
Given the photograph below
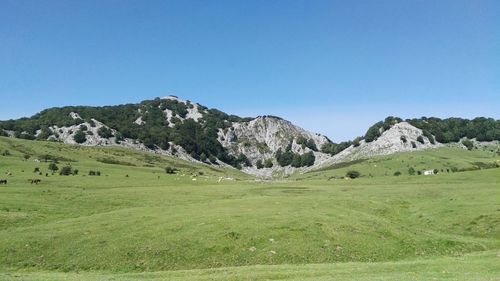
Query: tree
296, 161
66, 171
355, 142
308, 159
429, 136
268, 163
170, 170
311, 145
80, 136
373, 132
259, 164
469, 144
411, 171
420, 139
26, 157
104, 132
397, 173
53, 167
353, 174
284, 158
403, 139
413, 144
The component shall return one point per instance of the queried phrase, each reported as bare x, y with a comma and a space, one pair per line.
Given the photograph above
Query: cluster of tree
443, 130
454, 129
378, 128
309, 143
199, 139
80, 136
68, 170
335, 148
105, 132
295, 160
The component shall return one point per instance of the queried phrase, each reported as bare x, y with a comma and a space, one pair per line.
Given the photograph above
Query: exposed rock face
67, 134
261, 137
391, 141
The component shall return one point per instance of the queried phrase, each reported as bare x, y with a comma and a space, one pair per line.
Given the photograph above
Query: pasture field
135, 222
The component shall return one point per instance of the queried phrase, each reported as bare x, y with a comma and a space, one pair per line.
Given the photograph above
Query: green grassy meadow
135, 222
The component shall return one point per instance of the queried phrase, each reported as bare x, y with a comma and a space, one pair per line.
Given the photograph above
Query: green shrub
53, 167
94, 173
468, 143
171, 170
104, 132
353, 174
80, 136
66, 171
374, 132
411, 171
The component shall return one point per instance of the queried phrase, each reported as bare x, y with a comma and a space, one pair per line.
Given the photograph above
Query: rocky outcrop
401, 137
245, 141
261, 137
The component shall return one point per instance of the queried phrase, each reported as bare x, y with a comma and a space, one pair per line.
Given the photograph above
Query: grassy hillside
115, 227
445, 160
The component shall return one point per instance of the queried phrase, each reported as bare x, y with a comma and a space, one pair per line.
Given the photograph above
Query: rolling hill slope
135, 218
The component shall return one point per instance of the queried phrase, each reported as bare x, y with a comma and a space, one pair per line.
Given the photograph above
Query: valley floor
482, 266
135, 222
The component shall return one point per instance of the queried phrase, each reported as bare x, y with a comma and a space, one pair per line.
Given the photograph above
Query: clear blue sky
333, 67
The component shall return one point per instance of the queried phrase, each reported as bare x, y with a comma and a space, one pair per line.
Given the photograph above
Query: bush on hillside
468, 143
420, 139
53, 167
373, 132
353, 174
105, 132
171, 170
94, 173
80, 136
66, 171
411, 171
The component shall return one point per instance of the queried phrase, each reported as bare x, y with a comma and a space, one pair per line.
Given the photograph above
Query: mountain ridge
261, 146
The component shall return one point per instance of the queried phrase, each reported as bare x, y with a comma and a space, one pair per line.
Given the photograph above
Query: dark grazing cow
3, 181
35, 181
